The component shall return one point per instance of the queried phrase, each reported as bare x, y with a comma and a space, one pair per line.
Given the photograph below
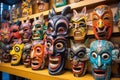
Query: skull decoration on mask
37, 28
26, 31
101, 54
26, 55
57, 33
37, 57
59, 3
102, 22
16, 53
79, 28
78, 57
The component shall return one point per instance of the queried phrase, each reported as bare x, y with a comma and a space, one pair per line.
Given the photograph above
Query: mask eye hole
59, 46
38, 50
94, 55
105, 56
81, 54
50, 29
71, 54
49, 44
106, 18
17, 49
61, 30
95, 17
25, 29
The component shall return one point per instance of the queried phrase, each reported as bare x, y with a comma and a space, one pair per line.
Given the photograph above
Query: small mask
14, 13
37, 28
101, 54
79, 28
37, 57
43, 5
59, 3
16, 53
57, 50
25, 31
78, 57
26, 55
102, 22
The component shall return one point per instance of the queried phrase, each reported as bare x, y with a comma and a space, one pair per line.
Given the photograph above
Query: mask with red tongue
102, 22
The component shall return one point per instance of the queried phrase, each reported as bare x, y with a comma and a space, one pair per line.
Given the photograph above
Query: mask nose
99, 63
75, 60
100, 24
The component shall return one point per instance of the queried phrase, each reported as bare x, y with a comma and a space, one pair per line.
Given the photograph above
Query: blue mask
101, 55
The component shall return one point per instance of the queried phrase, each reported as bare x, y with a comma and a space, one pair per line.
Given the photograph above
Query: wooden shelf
59, 9
41, 74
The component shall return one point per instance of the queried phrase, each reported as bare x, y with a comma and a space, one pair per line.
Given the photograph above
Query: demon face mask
37, 57
37, 28
79, 28
102, 22
57, 33
101, 54
25, 31
26, 55
78, 57
16, 53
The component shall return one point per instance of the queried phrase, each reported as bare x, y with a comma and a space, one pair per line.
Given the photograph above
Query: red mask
102, 22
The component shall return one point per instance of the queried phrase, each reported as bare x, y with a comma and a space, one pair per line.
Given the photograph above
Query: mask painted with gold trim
102, 22
16, 53
79, 27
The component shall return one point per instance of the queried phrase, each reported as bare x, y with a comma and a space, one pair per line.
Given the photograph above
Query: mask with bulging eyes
79, 27
37, 57
78, 57
101, 54
16, 53
102, 22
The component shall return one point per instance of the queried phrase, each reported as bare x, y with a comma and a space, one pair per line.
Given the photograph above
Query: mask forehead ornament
101, 55
102, 22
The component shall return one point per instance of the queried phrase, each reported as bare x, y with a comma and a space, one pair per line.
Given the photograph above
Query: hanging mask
78, 57
25, 31
5, 33
43, 5
79, 28
37, 28
101, 54
16, 53
57, 50
26, 55
37, 57
102, 22
59, 3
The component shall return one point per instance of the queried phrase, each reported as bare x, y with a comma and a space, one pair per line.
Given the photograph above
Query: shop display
16, 53
78, 57
26, 8
43, 5
57, 33
59, 3
79, 27
101, 54
102, 22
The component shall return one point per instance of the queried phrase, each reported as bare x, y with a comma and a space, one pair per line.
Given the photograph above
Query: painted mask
26, 55
79, 28
57, 49
101, 54
37, 57
16, 53
102, 22
5, 33
14, 13
25, 31
14, 31
59, 3
37, 28
43, 5
78, 57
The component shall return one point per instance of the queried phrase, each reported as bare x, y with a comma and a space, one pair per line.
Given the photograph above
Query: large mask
26, 55
101, 54
16, 53
37, 57
14, 31
59, 3
26, 31
57, 34
79, 26
78, 57
37, 28
102, 22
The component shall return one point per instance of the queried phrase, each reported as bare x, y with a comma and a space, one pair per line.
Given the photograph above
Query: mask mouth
99, 73
14, 58
78, 35
54, 62
26, 62
35, 63
35, 36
